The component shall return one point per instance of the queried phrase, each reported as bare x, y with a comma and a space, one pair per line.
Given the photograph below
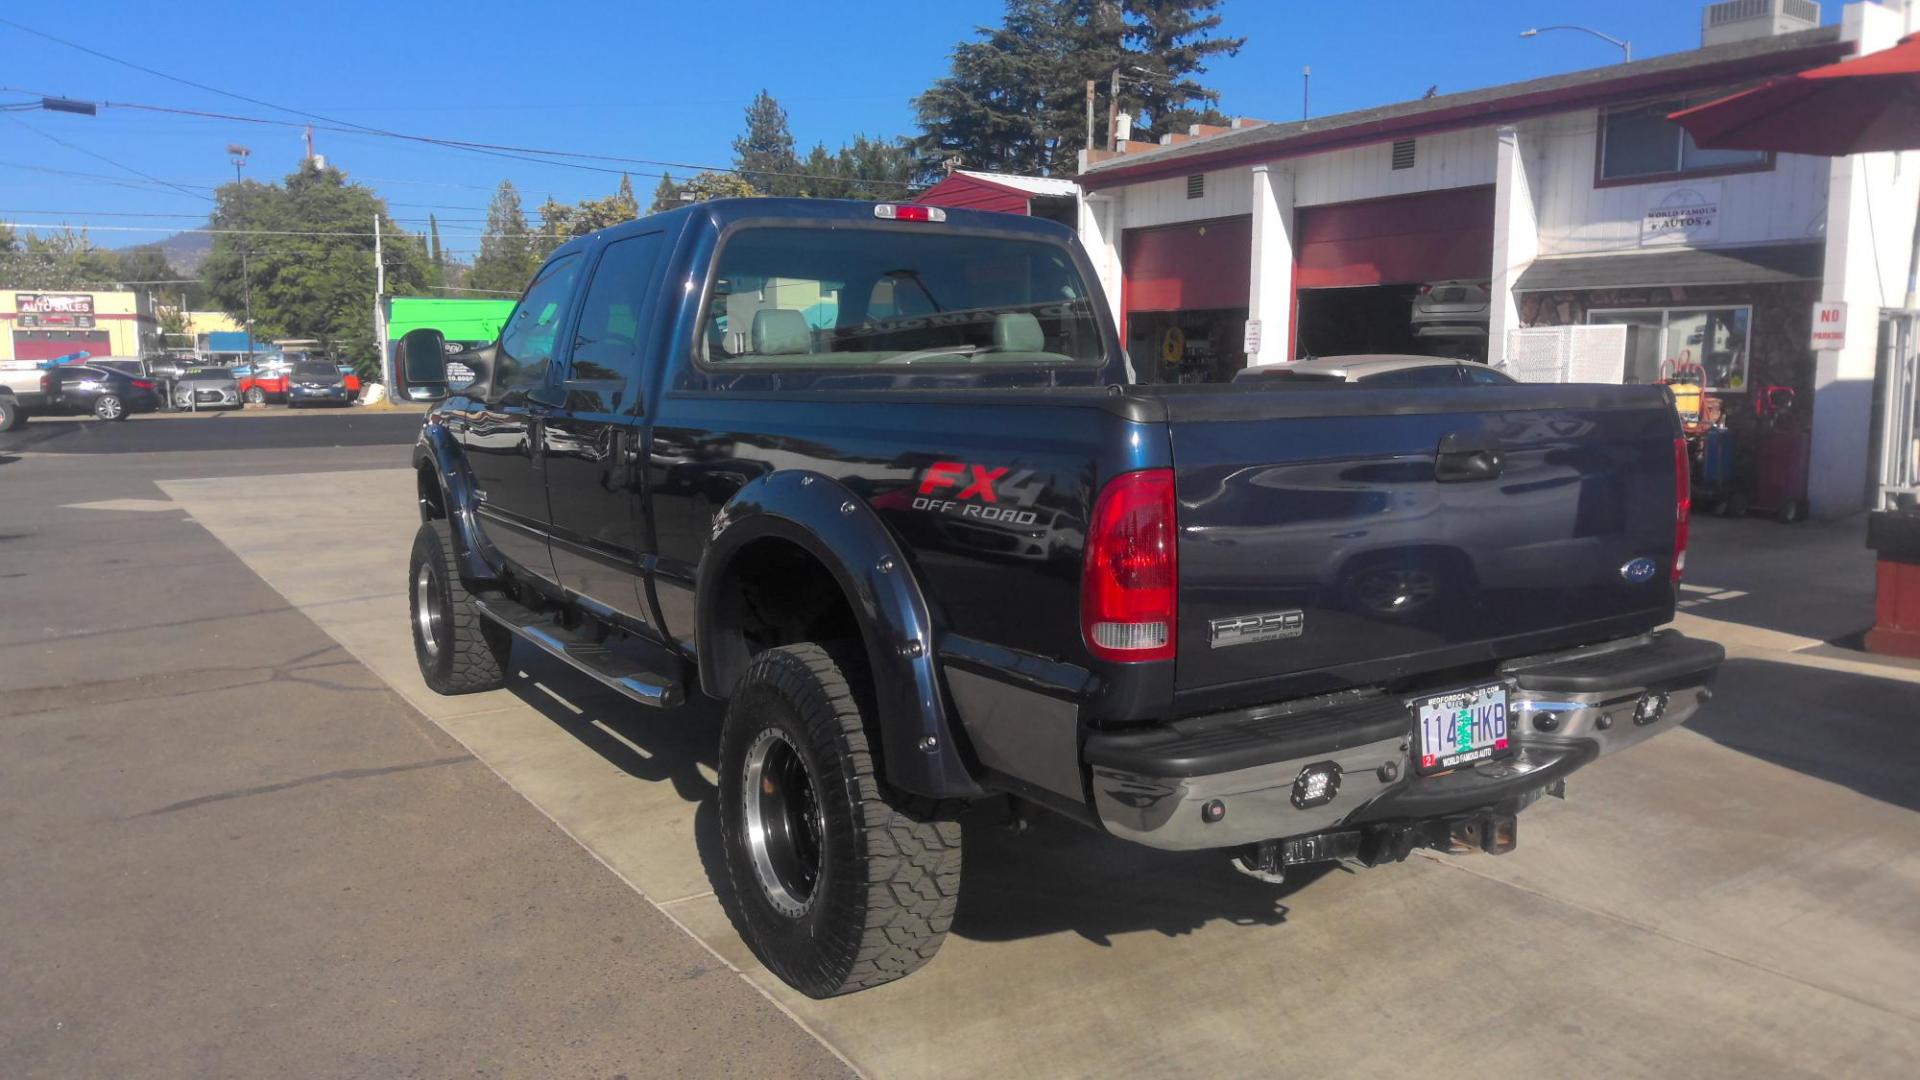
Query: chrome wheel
109, 408
784, 826
428, 621
256, 397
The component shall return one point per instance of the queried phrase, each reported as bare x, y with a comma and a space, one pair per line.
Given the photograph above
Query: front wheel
838, 884
460, 650
256, 396
109, 407
11, 414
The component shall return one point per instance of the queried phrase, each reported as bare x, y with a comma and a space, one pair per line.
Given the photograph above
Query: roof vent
1745, 20
1403, 154
1196, 185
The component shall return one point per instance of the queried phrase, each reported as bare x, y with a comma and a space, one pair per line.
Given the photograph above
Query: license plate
1460, 728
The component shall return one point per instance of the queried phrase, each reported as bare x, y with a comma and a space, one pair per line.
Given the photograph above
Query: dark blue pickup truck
879, 478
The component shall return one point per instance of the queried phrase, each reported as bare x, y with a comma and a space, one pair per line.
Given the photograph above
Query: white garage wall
1164, 202
1450, 159
1785, 204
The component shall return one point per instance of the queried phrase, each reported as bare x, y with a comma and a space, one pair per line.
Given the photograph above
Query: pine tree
507, 257
666, 196
1016, 101
763, 154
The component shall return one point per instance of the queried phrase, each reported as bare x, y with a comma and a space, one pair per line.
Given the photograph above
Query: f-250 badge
1248, 629
983, 492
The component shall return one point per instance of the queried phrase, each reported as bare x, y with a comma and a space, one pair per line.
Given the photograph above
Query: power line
103, 157
494, 149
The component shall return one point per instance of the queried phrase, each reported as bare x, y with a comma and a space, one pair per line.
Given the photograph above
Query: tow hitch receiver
1489, 831
1495, 834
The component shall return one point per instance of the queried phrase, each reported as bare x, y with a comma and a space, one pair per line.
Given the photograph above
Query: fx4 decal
984, 492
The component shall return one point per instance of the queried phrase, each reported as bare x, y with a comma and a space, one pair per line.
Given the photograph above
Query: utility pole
1090, 85
1113, 109
240, 155
1306, 91
379, 319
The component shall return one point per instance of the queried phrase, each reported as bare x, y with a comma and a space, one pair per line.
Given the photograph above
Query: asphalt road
274, 427
227, 849
238, 836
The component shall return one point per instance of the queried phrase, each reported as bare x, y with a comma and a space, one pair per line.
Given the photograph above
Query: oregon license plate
1461, 728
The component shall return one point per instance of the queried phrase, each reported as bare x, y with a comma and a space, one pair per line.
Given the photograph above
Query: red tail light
142, 384
1128, 587
46, 383
1682, 505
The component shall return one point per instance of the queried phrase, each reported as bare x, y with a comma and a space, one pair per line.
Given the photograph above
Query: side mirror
423, 364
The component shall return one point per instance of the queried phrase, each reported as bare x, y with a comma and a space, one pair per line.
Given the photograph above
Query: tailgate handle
1465, 456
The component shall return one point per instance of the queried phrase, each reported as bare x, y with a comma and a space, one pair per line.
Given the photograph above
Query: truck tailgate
1366, 535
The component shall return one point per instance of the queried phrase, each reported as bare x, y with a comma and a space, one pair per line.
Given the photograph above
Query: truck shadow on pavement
1021, 879
1845, 728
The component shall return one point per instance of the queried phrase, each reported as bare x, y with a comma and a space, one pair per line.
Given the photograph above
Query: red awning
1856, 106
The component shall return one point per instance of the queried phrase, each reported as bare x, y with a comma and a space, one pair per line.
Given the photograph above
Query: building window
1403, 154
1639, 143
1196, 185
1708, 345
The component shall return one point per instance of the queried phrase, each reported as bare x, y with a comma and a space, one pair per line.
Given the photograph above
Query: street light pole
1625, 47
240, 155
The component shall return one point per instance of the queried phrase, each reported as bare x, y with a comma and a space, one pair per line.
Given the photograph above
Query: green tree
507, 256
1015, 101
763, 154
560, 222
307, 245
717, 185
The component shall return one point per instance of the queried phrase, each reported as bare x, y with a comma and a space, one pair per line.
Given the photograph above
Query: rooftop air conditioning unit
1744, 20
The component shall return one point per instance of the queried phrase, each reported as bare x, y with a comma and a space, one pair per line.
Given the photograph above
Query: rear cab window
889, 299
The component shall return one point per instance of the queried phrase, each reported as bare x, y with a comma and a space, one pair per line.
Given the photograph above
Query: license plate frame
1485, 705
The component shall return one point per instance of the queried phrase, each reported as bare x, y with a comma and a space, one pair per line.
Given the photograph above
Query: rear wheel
11, 414
838, 883
109, 407
256, 396
460, 651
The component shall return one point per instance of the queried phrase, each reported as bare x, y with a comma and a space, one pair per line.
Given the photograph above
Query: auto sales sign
53, 303
1689, 214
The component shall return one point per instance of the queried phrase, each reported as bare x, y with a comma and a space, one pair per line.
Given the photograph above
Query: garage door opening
1360, 266
1187, 346
1381, 319
1185, 298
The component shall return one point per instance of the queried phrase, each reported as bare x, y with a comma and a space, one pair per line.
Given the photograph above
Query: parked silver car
206, 388
1379, 370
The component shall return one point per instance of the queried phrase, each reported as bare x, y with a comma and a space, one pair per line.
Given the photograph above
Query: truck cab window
606, 344
526, 342
892, 297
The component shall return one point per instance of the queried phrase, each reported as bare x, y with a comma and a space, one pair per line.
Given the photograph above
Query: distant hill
186, 251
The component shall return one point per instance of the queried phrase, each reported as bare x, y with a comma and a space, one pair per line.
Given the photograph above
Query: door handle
1464, 457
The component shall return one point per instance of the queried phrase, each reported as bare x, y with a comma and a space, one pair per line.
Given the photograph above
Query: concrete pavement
1732, 899
228, 849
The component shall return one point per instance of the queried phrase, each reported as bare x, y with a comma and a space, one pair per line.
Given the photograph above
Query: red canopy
1858, 106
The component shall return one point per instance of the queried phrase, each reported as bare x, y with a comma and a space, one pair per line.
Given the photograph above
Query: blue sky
651, 80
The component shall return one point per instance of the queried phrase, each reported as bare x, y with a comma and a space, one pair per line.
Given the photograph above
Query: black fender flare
838, 528
439, 450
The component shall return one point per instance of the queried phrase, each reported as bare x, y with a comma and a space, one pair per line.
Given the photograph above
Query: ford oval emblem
1638, 571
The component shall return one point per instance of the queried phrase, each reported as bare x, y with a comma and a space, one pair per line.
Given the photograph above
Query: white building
1572, 197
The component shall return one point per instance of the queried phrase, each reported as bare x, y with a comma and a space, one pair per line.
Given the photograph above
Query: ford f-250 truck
877, 478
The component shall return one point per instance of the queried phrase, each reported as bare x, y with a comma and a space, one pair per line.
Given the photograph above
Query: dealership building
1572, 200
41, 325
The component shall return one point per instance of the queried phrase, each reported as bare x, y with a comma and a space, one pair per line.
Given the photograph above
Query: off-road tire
889, 865
11, 414
471, 651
